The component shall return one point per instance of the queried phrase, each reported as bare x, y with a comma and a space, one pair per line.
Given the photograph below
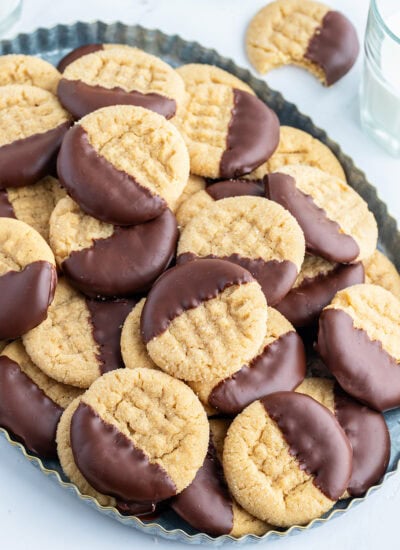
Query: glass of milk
10, 10
380, 87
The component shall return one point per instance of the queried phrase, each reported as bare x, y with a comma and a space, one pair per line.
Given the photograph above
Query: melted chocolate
6, 208
126, 263
80, 98
281, 366
186, 287
304, 303
360, 365
112, 464
138, 509
369, 438
25, 297
26, 410
76, 54
107, 319
253, 135
206, 504
25, 161
276, 278
235, 188
99, 188
334, 46
315, 439
323, 236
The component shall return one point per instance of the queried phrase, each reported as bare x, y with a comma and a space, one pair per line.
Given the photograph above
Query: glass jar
10, 10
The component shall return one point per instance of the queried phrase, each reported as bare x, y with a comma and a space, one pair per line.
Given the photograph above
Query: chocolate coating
126, 263
112, 464
207, 504
235, 188
26, 410
76, 54
323, 236
26, 161
107, 319
253, 135
304, 303
80, 98
280, 367
360, 365
25, 298
136, 508
100, 189
315, 438
369, 438
6, 208
276, 278
185, 287
334, 46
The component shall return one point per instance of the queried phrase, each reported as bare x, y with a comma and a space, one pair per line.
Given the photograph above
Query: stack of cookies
162, 239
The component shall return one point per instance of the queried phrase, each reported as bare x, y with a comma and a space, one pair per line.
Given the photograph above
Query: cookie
194, 74
193, 185
255, 233
299, 147
359, 340
279, 365
139, 435
133, 350
32, 204
131, 258
379, 270
79, 340
203, 319
205, 197
31, 403
286, 459
228, 131
27, 278
207, 504
336, 221
120, 76
123, 165
315, 287
365, 428
304, 33
28, 69
32, 126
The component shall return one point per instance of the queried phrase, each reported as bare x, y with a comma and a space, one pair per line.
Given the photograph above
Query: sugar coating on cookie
136, 152
150, 424
304, 33
336, 221
286, 459
194, 74
204, 319
120, 75
253, 232
133, 349
379, 270
28, 69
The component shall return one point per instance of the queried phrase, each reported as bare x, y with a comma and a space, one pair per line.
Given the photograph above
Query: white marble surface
34, 512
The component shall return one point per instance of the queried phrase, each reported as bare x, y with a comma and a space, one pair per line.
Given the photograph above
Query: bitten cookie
32, 204
120, 75
379, 270
123, 165
28, 69
253, 232
204, 319
315, 287
336, 221
359, 340
139, 435
365, 428
131, 258
194, 74
32, 126
228, 131
279, 365
27, 278
133, 350
79, 340
304, 33
31, 403
299, 147
286, 459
